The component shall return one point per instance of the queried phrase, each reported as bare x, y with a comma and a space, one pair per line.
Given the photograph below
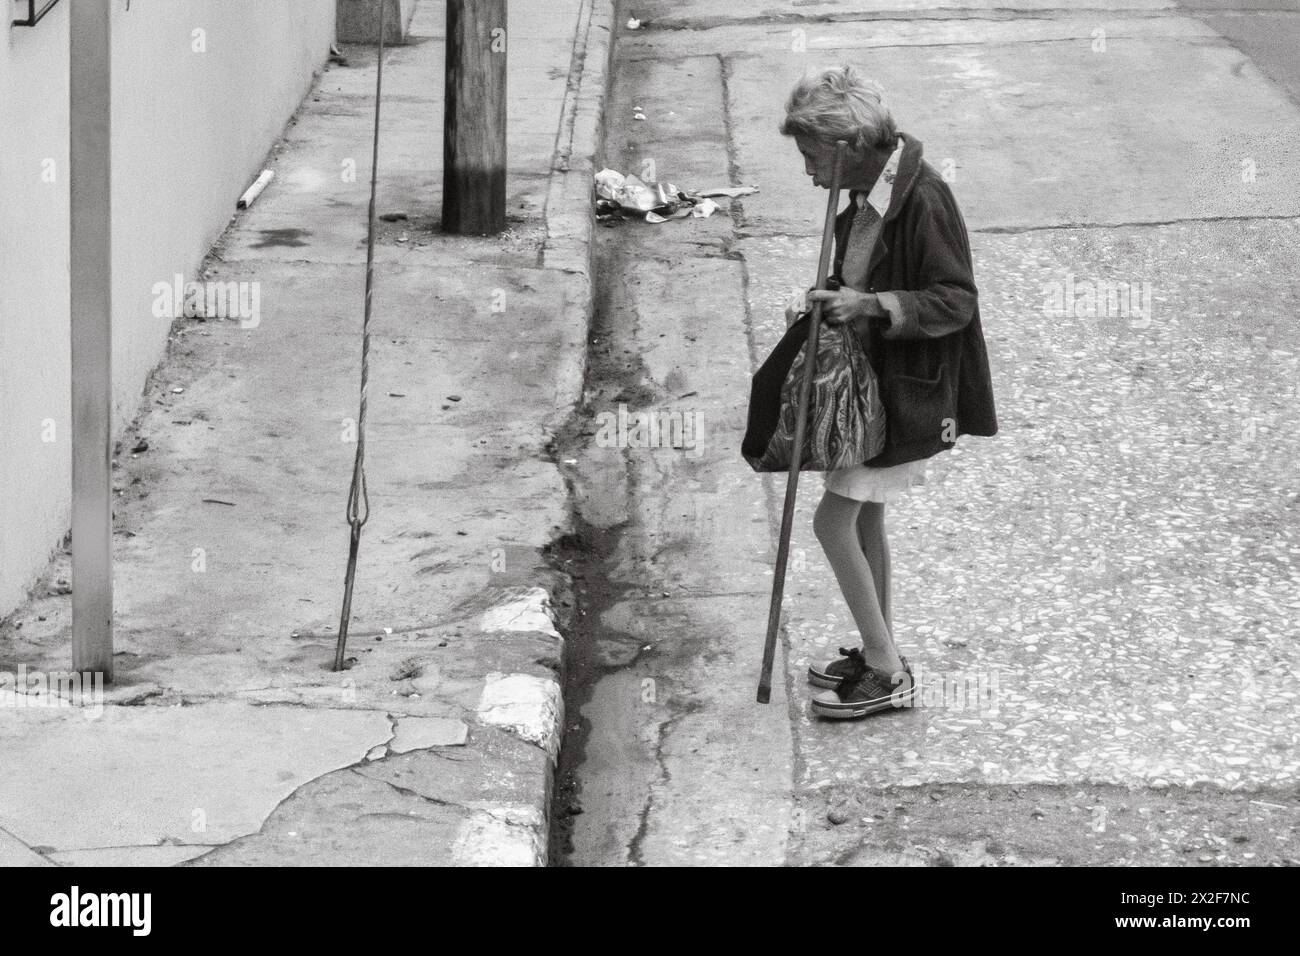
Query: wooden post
474, 129
90, 181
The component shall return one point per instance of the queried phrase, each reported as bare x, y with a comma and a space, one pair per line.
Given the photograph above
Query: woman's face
859, 171
818, 160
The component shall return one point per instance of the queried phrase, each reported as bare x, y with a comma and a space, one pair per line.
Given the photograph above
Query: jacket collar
882, 192
909, 168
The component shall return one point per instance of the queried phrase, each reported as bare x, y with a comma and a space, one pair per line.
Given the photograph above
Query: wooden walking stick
800, 428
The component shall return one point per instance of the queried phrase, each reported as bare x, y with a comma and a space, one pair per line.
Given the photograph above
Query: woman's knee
872, 515
833, 520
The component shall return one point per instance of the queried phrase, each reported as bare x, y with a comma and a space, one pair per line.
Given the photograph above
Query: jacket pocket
918, 408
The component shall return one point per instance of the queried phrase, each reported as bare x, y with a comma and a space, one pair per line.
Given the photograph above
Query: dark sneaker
830, 675
865, 690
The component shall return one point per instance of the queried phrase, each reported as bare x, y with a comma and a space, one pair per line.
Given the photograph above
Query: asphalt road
1103, 595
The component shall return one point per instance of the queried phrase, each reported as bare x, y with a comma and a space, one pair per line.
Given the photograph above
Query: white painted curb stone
527, 706
512, 835
529, 612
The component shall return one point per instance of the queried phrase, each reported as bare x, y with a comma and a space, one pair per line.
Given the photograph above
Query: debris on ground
619, 196
730, 192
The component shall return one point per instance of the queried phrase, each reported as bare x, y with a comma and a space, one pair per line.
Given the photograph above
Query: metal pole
90, 183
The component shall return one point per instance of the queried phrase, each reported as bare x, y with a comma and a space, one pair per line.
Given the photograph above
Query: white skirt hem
880, 485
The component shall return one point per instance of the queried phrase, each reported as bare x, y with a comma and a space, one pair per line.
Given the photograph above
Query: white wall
191, 129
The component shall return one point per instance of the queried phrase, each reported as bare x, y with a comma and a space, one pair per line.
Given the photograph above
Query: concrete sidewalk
226, 739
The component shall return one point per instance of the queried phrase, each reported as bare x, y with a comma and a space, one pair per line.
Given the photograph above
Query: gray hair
840, 103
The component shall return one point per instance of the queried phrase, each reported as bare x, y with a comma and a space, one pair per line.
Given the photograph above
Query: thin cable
358, 497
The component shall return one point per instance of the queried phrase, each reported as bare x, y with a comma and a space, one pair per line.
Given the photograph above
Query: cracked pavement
227, 739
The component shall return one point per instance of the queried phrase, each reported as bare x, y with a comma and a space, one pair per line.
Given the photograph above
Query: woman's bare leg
875, 545
836, 526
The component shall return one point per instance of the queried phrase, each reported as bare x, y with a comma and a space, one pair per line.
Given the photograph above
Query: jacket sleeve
945, 298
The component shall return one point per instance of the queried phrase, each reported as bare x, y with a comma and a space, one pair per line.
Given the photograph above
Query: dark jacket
933, 367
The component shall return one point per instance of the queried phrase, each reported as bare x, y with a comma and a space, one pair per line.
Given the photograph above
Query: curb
532, 708
570, 219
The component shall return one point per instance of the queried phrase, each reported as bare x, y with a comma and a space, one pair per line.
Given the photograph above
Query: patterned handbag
846, 424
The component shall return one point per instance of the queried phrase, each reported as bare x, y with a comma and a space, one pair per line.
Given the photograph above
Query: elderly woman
904, 268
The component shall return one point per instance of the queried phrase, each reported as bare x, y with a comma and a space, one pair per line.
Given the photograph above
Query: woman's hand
847, 305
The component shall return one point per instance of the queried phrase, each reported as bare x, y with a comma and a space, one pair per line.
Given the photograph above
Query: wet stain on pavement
281, 237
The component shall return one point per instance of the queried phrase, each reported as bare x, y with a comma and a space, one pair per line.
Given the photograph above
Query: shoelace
858, 670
